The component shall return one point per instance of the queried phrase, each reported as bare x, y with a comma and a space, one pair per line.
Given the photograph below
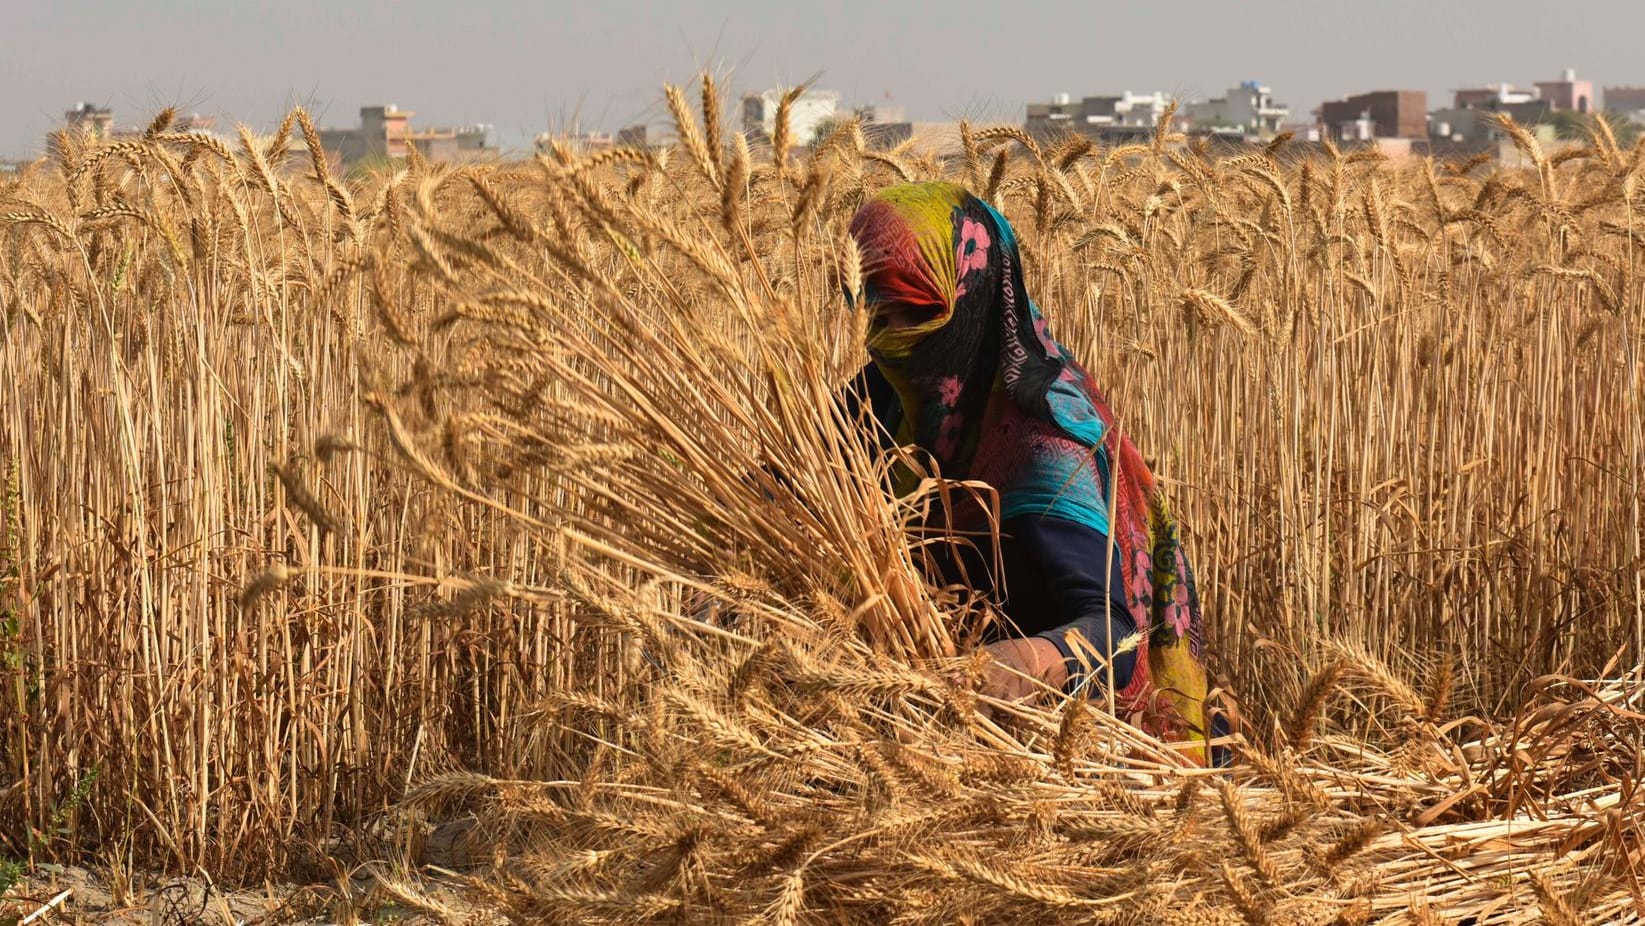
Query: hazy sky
525, 67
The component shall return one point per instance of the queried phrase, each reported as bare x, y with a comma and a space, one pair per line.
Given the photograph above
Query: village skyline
526, 69
1401, 122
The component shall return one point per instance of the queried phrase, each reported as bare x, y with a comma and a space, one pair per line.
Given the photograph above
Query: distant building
1471, 120
1475, 131
452, 146
1062, 115
882, 114
580, 142
1491, 97
1477, 125
97, 120
385, 132
633, 136
1567, 94
1353, 125
1140, 111
884, 125
1382, 114
809, 112
1628, 102
1461, 125
1100, 117
1248, 109
195, 124
381, 134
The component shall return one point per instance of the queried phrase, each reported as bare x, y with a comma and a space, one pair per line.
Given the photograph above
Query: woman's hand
1034, 657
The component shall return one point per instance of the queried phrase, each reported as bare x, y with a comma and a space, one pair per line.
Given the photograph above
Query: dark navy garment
1055, 582
1059, 574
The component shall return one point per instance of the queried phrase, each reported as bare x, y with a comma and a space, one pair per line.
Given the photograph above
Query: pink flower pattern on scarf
972, 253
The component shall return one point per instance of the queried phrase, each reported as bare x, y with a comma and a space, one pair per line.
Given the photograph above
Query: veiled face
902, 316
907, 237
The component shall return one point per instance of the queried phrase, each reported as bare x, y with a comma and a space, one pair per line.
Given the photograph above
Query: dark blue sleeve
1061, 577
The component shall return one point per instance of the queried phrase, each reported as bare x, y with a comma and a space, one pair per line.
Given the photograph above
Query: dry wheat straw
583, 397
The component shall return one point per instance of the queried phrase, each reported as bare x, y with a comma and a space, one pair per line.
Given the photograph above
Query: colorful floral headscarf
981, 386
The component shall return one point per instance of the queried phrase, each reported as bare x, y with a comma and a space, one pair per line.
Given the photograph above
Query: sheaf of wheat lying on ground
320, 488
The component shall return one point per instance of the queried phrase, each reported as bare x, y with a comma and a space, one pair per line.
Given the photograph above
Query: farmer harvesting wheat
965, 369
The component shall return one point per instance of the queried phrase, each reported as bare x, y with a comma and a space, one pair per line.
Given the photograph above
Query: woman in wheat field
965, 369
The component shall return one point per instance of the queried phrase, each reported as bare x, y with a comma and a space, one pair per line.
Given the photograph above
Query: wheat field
336, 504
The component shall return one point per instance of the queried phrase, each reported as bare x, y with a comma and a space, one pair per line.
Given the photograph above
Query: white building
1248, 109
811, 110
1492, 96
1140, 109
1360, 128
1096, 116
